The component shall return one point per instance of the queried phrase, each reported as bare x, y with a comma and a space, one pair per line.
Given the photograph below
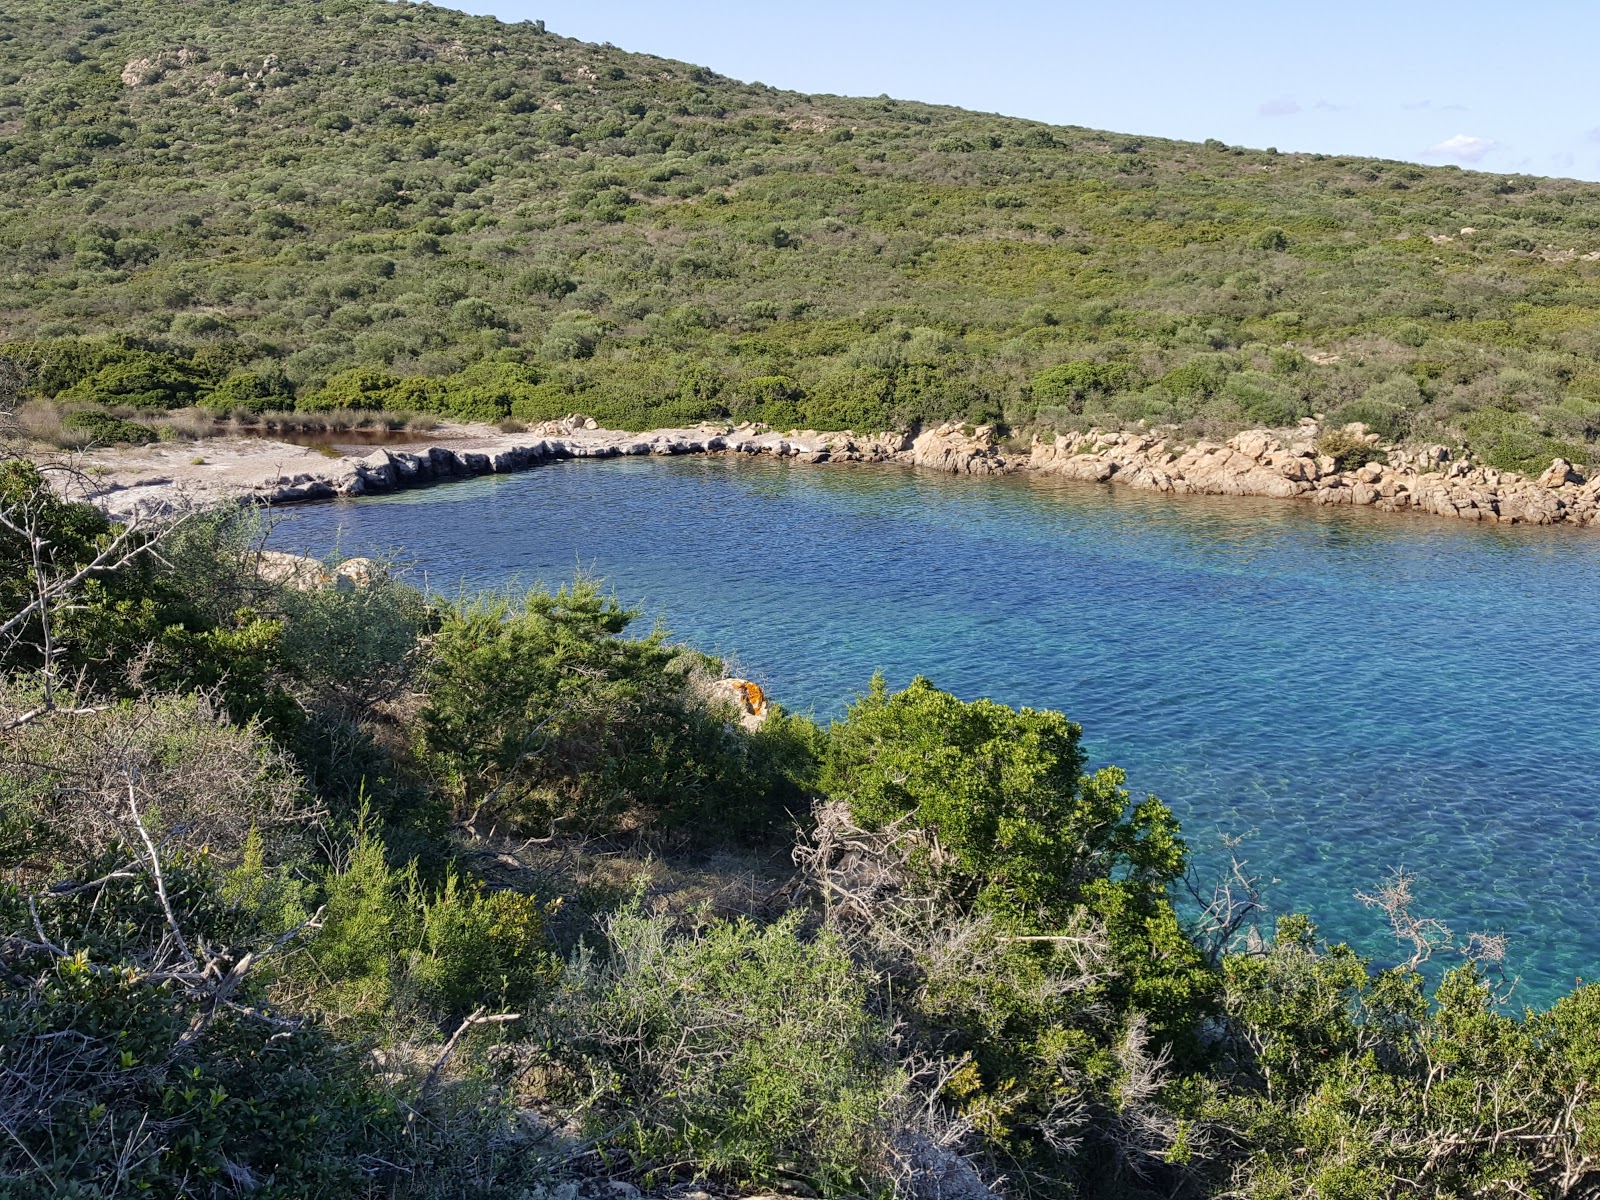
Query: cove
1352, 691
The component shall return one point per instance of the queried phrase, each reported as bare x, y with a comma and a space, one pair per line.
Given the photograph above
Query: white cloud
1283, 106
1462, 148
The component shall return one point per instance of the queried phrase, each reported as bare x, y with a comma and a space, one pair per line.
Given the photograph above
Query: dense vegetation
352, 204
330, 889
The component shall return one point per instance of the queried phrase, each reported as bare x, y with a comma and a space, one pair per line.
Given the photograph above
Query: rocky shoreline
1281, 463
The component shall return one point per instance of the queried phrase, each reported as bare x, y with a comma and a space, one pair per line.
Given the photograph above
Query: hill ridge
342, 203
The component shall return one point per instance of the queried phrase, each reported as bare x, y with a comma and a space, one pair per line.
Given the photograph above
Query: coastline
1275, 463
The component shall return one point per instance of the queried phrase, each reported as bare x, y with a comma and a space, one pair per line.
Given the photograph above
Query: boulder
1559, 474
748, 699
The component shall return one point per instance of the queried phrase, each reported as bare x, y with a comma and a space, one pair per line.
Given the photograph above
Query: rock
355, 573
295, 570
934, 1172
748, 699
1558, 474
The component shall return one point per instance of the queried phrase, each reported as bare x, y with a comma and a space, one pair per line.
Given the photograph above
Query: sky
1497, 87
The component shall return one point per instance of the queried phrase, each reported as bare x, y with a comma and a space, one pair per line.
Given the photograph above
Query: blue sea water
1352, 691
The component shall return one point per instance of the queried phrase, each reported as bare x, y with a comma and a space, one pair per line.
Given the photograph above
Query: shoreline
1281, 464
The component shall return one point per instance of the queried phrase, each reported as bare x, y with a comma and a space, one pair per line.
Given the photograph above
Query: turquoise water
1352, 691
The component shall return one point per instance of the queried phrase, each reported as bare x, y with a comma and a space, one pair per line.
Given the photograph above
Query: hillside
438, 212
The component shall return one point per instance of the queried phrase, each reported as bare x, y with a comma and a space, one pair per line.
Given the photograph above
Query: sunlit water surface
1354, 691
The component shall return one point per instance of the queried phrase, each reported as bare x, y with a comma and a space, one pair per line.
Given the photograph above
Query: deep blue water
1354, 691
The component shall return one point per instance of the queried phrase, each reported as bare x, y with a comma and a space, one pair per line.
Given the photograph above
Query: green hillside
371, 205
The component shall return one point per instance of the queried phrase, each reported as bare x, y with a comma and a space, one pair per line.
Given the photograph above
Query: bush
1345, 1055
151, 382
1023, 833
358, 389
539, 708
87, 1052
249, 392
1069, 384
390, 949
742, 1049
105, 429
1348, 449
1262, 399
1511, 441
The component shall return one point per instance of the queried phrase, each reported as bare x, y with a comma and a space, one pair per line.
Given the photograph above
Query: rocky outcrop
1281, 463
1260, 463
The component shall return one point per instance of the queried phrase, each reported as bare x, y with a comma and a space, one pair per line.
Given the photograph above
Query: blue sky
1503, 87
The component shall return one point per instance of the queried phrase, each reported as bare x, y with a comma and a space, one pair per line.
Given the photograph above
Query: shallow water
1351, 690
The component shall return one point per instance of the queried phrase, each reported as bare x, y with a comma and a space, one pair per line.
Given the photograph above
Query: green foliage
1514, 441
1025, 830
1070, 384
539, 708
390, 948
1021, 831
359, 389
249, 392
106, 430
1364, 1080
747, 1050
149, 382
1348, 449
93, 1051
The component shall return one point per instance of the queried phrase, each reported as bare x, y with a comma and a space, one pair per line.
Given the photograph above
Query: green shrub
357, 389
1388, 421
1023, 833
1348, 450
539, 708
250, 392
1262, 399
1341, 1054
745, 1050
1511, 441
1069, 384
390, 949
1201, 377
251, 1103
152, 382
105, 429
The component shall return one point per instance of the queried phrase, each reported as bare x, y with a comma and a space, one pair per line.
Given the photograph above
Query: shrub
105, 429
1262, 399
390, 948
1022, 832
250, 392
1511, 441
1388, 421
1344, 1054
574, 335
152, 382
539, 708
1202, 377
1069, 384
87, 1052
1348, 449
743, 1049
357, 389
